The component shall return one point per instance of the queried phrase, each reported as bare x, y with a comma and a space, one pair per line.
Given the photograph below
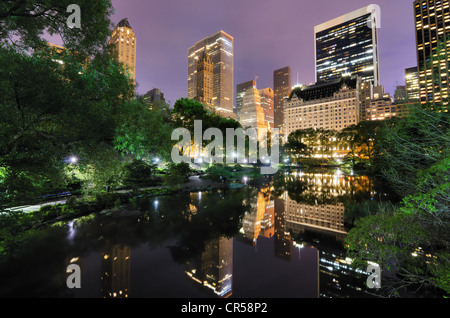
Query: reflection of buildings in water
214, 267
328, 186
316, 218
326, 214
283, 239
260, 221
267, 223
325, 218
337, 277
115, 278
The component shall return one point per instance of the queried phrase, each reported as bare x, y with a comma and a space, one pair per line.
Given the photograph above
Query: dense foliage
412, 156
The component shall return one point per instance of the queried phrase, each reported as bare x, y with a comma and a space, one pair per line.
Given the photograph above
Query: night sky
268, 34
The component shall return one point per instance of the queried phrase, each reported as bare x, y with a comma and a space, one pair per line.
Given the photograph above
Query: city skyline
161, 56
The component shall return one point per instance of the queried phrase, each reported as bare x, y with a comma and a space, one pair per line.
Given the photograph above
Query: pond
281, 239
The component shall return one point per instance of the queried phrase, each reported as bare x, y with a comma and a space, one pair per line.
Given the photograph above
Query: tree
295, 147
139, 173
23, 23
55, 105
364, 139
143, 133
177, 173
413, 159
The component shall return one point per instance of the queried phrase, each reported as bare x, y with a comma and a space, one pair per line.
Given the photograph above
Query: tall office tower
252, 114
432, 21
123, 40
240, 91
412, 84
219, 47
348, 45
267, 104
205, 81
282, 88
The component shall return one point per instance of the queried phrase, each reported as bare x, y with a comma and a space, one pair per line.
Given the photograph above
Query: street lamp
73, 160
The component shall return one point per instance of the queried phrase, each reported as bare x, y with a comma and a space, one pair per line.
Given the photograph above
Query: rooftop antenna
256, 78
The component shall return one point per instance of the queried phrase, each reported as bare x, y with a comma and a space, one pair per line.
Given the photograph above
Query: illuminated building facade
219, 47
348, 45
432, 23
252, 113
281, 87
267, 103
123, 41
240, 92
205, 81
333, 106
412, 84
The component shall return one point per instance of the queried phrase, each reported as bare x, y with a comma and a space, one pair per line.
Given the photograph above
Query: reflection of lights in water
156, 204
72, 230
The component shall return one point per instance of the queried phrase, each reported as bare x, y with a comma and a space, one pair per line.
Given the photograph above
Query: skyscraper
252, 114
267, 105
123, 40
205, 81
412, 84
432, 23
348, 45
282, 88
240, 91
219, 47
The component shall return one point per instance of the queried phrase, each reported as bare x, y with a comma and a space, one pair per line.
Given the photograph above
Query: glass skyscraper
432, 23
348, 45
412, 84
219, 47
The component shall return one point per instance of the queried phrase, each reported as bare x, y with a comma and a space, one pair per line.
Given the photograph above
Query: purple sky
268, 34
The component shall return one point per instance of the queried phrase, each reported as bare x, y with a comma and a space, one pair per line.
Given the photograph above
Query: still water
284, 239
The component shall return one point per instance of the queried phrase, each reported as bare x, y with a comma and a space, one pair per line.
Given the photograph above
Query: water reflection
281, 240
115, 272
315, 215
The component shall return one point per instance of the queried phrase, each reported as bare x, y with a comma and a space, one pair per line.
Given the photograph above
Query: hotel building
332, 106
